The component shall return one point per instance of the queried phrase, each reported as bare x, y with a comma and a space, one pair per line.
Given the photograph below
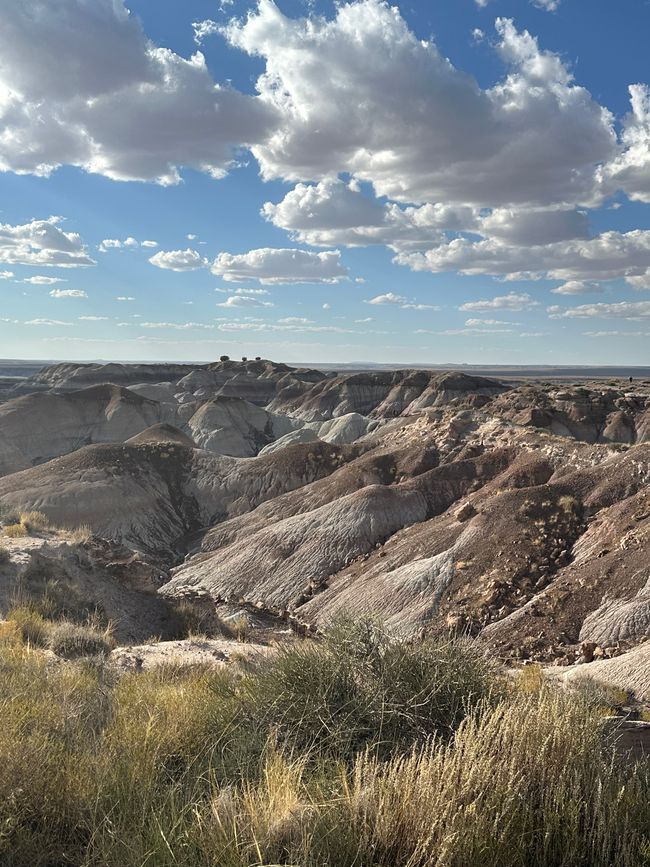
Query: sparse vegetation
34, 522
5, 556
80, 535
15, 531
355, 751
70, 640
196, 617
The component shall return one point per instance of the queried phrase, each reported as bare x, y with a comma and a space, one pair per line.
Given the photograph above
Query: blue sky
444, 181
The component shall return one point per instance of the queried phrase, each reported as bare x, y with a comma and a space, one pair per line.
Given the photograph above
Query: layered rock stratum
518, 512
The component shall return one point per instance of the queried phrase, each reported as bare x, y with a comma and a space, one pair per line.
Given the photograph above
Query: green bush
359, 688
72, 639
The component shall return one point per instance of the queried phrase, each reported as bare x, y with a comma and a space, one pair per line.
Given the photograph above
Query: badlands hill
443, 502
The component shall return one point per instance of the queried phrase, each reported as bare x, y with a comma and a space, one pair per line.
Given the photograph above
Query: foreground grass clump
356, 751
63, 637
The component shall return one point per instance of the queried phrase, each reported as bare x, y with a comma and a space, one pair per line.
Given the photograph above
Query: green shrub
32, 627
359, 689
72, 639
5, 556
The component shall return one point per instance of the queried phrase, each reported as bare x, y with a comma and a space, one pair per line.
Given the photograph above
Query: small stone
465, 512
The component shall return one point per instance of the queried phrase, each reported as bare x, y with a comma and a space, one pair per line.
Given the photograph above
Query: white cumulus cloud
178, 260
42, 242
82, 84
535, 137
271, 265
513, 301
68, 293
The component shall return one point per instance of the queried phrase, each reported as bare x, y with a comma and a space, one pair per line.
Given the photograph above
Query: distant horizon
402, 182
562, 370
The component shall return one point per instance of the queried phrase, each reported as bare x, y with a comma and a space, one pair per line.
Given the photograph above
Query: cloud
6, 275
125, 298
179, 326
609, 256
388, 298
92, 318
400, 301
68, 293
128, 243
99, 95
276, 266
533, 138
618, 310
630, 170
485, 323
203, 29
465, 332
42, 242
616, 333
109, 244
244, 301
248, 291
333, 213
39, 280
549, 5
512, 301
639, 281
534, 227
47, 322
178, 260
578, 287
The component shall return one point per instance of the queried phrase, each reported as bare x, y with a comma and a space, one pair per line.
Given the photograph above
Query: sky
433, 181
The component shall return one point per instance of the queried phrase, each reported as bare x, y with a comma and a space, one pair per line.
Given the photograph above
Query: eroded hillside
517, 512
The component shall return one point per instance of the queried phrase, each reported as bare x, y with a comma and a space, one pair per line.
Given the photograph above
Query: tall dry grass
205, 768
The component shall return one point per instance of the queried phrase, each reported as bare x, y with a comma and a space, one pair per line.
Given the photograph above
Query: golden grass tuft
15, 531
81, 535
34, 522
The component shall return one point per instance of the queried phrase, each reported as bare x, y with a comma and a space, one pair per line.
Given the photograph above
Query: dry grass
177, 768
81, 535
34, 522
15, 531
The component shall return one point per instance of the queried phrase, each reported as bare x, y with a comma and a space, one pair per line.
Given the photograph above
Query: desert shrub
359, 689
193, 617
34, 522
32, 626
5, 556
15, 531
600, 696
56, 599
72, 639
9, 515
